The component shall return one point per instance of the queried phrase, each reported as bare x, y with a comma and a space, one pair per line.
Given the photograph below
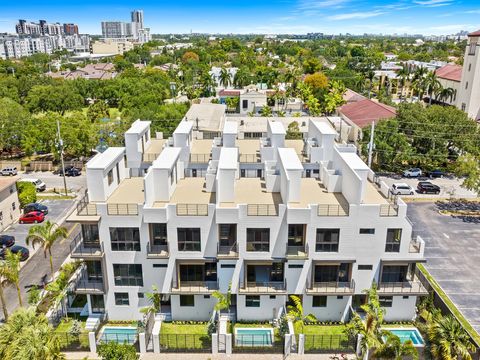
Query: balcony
85, 211
262, 210
84, 285
249, 158
297, 251
263, 287
79, 249
332, 287
416, 245
194, 287
227, 251
413, 287
192, 209
332, 210
122, 209
388, 210
157, 251
200, 158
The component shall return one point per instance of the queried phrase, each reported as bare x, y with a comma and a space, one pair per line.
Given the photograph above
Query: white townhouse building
269, 216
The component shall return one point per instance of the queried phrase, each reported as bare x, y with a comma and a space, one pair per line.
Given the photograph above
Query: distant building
111, 46
99, 71
9, 204
450, 76
70, 29
43, 27
116, 29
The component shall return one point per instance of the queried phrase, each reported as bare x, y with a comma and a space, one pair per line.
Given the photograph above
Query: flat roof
354, 161
289, 159
210, 116
252, 191
139, 127
276, 127
203, 146
105, 159
189, 191
167, 158
129, 191
155, 146
324, 128
184, 127
373, 196
230, 127
228, 159
312, 192
248, 146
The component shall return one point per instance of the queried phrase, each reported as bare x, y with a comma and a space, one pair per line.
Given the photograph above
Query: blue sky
258, 16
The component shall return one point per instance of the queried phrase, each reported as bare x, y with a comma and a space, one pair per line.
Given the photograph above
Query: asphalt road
56, 181
452, 250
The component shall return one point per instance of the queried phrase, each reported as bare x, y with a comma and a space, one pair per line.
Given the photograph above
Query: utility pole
60, 146
370, 145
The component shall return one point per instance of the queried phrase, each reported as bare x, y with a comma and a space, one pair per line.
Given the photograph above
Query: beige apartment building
111, 46
9, 204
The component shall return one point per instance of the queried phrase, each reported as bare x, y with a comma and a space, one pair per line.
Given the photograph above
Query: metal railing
192, 209
414, 247
262, 210
84, 208
227, 250
180, 286
122, 209
332, 287
159, 250
388, 210
332, 210
85, 285
185, 343
200, 158
297, 250
329, 344
119, 337
70, 342
249, 158
259, 287
403, 287
80, 248
150, 157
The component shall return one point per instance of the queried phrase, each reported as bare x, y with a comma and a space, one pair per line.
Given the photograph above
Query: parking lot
449, 186
452, 251
57, 211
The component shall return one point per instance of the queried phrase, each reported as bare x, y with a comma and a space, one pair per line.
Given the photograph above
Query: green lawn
319, 329
188, 336
324, 337
65, 325
170, 328
68, 341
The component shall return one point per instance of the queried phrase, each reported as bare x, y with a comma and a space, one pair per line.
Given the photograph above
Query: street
56, 181
452, 251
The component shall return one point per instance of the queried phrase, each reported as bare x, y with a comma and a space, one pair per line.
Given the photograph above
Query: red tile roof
352, 96
363, 112
224, 92
475, 33
450, 72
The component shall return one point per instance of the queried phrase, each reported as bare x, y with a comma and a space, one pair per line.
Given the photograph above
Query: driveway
452, 250
57, 211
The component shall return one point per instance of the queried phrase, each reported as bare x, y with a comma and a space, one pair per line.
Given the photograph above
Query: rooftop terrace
252, 191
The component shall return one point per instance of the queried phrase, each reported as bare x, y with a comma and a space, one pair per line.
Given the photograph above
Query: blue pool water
408, 334
253, 337
119, 334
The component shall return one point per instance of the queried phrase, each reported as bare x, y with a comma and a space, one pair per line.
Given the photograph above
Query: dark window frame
394, 240
128, 274
158, 233
386, 301
319, 301
367, 231
258, 239
189, 239
187, 300
124, 239
121, 299
252, 301
327, 240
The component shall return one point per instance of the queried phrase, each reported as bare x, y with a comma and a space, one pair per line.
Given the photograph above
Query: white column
89, 303
142, 342
301, 344
93, 342
287, 344
228, 344
156, 336
215, 343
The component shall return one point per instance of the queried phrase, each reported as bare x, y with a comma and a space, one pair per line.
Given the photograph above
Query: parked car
35, 207
426, 187
39, 184
413, 172
7, 240
66, 170
436, 174
32, 217
9, 171
401, 189
73, 172
16, 249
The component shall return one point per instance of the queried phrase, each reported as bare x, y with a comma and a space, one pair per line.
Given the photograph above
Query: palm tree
12, 261
448, 339
403, 76
208, 84
370, 76
393, 348
223, 300
296, 314
4, 281
266, 111
418, 82
46, 235
431, 84
241, 78
225, 78
445, 93
155, 299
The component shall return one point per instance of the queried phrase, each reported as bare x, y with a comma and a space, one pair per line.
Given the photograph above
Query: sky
257, 16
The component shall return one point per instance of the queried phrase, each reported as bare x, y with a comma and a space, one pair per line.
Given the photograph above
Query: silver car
401, 189
9, 171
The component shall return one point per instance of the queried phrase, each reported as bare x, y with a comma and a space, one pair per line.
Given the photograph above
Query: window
110, 177
405, 297
319, 301
128, 274
394, 237
327, 240
118, 172
386, 301
187, 300
469, 67
273, 296
339, 297
244, 104
206, 296
258, 239
227, 234
331, 273
396, 273
141, 295
466, 85
295, 266
121, 299
90, 235
252, 301
472, 48
365, 267
464, 106
125, 239
158, 234
295, 234
189, 239
160, 265
227, 266
367, 231
14, 206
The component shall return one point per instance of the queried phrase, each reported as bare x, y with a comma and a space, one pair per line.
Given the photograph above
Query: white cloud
433, 3
321, 4
356, 15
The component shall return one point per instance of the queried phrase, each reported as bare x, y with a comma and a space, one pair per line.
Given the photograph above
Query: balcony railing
81, 249
192, 209
404, 287
262, 210
332, 210
157, 250
84, 208
388, 210
249, 158
122, 209
190, 287
332, 287
227, 250
300, 251
263, 287
85, 285
415, 246
200, 158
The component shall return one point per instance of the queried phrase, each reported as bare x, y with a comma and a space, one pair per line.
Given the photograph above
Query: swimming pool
119, 334
253, 337
406, 334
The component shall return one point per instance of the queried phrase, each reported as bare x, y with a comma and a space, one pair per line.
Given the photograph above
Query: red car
32, 217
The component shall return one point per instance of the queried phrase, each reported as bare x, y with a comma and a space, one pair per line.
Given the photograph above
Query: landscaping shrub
27, 193
116, 351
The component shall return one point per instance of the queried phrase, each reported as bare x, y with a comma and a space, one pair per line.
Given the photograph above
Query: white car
9, 171
39, 184
413, 172
401, 189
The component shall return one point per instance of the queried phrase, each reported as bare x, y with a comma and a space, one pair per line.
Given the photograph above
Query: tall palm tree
418, 81
295, 312
393, 348
370, 76
241, 78
445, 93
4, 281
12, 261
223, 300
403, 75
431, 84
46, 235
225, 78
